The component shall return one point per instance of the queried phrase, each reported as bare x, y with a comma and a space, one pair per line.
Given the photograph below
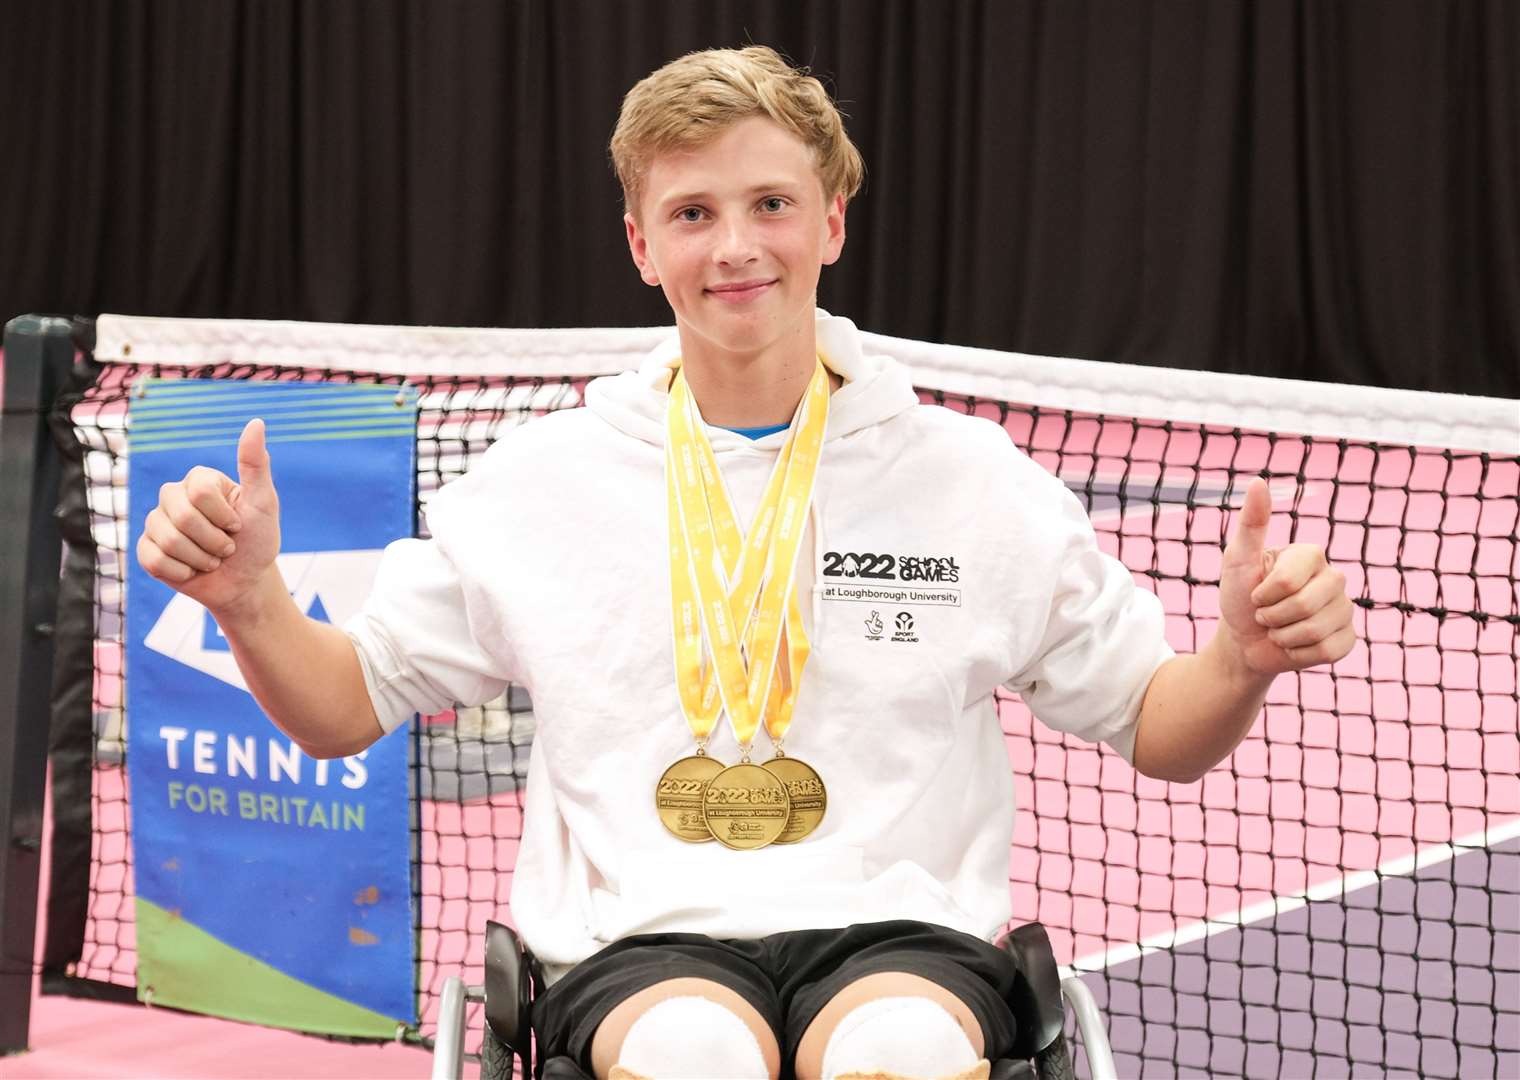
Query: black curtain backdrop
1303, 188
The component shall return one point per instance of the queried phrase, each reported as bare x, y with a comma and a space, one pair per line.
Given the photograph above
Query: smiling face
736, 232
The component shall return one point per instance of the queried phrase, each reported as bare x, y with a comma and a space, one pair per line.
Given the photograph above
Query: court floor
85, 1040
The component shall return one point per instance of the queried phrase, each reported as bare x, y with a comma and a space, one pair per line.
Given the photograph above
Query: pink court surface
1403, 759
83, 1040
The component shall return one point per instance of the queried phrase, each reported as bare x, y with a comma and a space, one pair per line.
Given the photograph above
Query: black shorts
787, 977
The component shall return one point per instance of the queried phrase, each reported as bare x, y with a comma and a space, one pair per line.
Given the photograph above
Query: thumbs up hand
212, 538
1285, 609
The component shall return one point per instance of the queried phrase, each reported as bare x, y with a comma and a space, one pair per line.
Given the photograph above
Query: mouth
739, 292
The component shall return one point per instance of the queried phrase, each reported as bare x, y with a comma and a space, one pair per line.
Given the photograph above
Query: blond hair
697, 97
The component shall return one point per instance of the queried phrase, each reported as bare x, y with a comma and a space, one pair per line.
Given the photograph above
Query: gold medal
746, 807
806, 795
678, 797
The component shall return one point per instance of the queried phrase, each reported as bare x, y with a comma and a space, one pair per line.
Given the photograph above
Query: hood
875, 389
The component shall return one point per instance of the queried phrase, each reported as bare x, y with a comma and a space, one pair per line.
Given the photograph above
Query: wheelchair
511, 973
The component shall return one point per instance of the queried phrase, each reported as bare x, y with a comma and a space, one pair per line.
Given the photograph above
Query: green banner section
185, 967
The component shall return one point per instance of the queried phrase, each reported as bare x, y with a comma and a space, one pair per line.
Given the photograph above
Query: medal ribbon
780, 695
737, 589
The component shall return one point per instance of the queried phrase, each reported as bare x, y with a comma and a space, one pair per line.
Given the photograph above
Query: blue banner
271, 887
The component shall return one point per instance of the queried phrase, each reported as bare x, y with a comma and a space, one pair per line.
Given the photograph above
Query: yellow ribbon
736, 589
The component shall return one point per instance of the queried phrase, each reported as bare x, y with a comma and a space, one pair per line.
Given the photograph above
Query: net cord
1325, 410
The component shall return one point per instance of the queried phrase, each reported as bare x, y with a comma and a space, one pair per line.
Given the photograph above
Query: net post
39, 353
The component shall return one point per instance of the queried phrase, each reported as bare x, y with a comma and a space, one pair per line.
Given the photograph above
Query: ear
834, 224
638, 247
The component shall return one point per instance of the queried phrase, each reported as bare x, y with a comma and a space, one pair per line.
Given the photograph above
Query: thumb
253, 458
1250, 538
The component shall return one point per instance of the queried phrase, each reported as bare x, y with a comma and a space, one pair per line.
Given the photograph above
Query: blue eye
690, 214
775, 204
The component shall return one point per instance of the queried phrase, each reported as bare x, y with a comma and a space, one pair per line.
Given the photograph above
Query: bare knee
607, 1043
885, 984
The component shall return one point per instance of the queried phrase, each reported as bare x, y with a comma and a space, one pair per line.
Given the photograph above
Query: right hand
210, 538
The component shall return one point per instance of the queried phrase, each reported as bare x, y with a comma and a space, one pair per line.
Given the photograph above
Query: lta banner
271, 887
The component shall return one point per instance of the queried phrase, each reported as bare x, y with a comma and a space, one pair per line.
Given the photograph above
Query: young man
673, 604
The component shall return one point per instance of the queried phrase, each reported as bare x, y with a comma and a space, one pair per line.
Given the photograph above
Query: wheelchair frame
1039, 1009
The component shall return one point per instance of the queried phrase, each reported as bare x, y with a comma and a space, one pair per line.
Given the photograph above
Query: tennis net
1341, 895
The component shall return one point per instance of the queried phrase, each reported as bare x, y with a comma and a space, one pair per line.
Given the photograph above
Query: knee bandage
691, 1038
899, 1037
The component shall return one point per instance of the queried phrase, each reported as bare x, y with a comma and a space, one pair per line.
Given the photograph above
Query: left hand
1285, 609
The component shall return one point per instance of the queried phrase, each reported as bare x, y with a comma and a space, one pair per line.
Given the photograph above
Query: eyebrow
754, 189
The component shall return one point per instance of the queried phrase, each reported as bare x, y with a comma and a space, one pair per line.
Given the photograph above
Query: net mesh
1342, 894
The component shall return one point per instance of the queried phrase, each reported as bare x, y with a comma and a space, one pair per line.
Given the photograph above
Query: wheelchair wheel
495, 1058
1053, 1062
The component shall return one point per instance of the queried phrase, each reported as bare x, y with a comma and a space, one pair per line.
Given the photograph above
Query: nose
735, 242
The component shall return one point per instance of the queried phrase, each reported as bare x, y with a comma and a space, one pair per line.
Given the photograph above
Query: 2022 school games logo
891, 581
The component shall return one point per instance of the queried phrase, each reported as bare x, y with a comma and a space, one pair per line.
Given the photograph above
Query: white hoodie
941, 563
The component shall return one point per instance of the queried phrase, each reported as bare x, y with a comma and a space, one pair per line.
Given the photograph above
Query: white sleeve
1102, 637
418, 644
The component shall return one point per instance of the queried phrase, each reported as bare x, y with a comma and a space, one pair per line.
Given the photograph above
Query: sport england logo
327, 585
904, 621
874, 627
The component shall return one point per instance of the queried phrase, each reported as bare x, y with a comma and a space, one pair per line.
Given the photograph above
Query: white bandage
898, 1036
692, 1038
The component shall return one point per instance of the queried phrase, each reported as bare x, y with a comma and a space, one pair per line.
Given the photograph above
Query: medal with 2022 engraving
746, 807
737, 592
806, 795
680, 795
